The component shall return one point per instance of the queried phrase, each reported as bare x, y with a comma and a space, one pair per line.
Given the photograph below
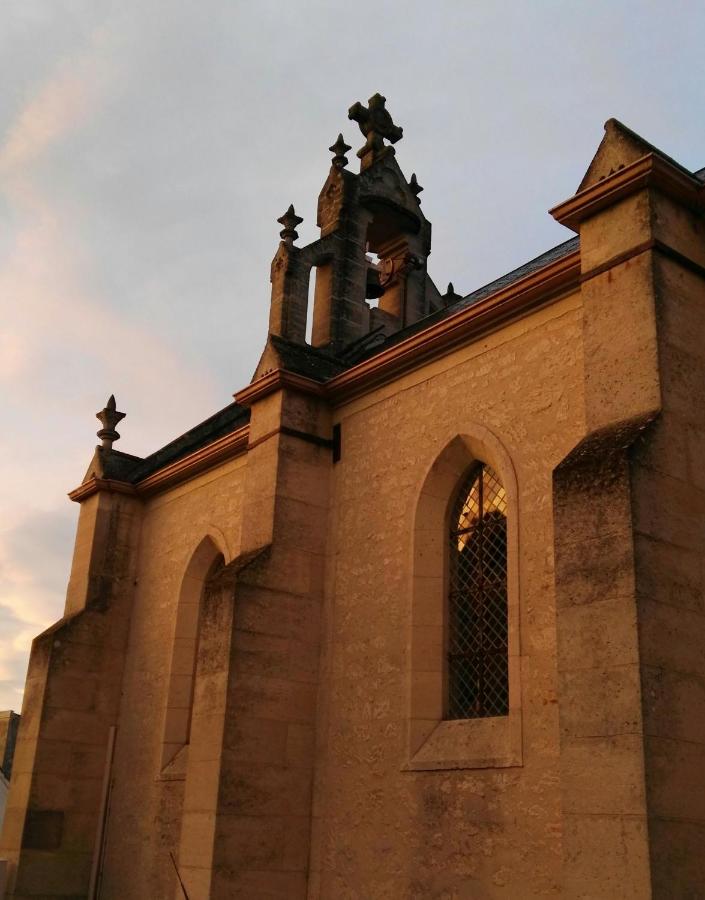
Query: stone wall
629, 514
145, 813
381, 829
71, 702
523, 384
266, 640
668, 487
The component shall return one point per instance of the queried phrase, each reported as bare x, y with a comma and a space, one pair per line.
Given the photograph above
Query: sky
147, 148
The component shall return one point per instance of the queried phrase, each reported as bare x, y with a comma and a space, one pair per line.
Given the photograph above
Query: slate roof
133, 469
320, 365
469, 299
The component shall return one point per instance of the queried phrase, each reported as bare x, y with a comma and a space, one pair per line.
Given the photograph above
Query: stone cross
376, 124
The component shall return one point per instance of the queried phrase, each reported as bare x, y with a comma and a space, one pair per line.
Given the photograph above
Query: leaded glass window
478, 680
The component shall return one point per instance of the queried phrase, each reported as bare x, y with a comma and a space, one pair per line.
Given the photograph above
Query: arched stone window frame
435, 742
178, 711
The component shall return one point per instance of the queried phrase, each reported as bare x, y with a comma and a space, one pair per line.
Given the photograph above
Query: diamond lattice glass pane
494, 497
467, 511
478, 684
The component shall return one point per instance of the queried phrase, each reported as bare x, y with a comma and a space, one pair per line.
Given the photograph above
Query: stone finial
450, 296
109, 417
415, 187
339, 149
376, 124
289, 220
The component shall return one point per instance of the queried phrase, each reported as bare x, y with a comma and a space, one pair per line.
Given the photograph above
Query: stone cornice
275, 381
93, 485
200, 460
649, 171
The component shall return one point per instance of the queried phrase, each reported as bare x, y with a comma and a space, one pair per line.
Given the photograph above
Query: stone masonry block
305, 483
671, 638
256, 740
272, 885
595, 569
50, 875
678, 861
599, 634
202, 786
616, 230
621, 845
668, 509
675, 779
300, 741
601, 702
605, 775
263, 790
276, 613
300, 525
255, 842
669, 574
274, 698
674, 704
197, 850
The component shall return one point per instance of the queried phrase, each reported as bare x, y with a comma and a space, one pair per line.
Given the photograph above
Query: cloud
66, 344
147, 149
13, 356
54, 111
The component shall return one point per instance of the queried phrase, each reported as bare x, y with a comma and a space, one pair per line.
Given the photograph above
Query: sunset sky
147, 148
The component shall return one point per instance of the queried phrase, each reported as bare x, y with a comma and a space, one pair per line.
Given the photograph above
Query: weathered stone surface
268, 635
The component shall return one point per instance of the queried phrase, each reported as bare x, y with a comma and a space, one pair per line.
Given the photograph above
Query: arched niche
209, 556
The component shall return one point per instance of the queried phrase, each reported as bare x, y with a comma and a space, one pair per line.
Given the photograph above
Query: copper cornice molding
200, 460
93, 485
230, 445
275, 381
649, 171
515, 300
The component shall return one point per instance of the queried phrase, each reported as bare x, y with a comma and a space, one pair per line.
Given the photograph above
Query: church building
421, 614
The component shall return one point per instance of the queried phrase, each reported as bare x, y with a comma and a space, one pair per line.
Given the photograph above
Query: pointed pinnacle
109, 416
415, 187
339, 149
289, 220
450, 296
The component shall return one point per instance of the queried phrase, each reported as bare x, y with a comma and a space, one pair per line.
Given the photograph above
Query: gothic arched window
478, 664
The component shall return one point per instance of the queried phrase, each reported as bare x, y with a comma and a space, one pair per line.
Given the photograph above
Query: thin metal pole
100, 834
176, 869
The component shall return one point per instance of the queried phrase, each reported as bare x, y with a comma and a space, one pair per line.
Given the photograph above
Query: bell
373, 288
